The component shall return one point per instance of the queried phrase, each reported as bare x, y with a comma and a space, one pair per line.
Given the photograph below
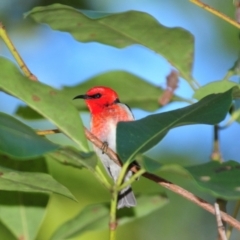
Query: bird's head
98, 98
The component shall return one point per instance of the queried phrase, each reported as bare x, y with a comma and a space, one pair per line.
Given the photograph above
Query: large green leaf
45, 100
121, 30
20, 141
214, 87
27, 113
139, 136
22, 212
220, 180
91, 218
96, 217
75, 158
12, 180
118, 80
131, 89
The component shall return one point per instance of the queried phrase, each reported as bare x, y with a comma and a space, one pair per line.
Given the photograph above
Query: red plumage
106, 111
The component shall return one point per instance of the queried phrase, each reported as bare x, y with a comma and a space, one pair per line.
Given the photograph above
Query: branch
220, 226
13, 50
215, 12
161, 181
166, 184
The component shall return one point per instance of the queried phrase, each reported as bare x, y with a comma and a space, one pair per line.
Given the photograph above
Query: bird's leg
104, 147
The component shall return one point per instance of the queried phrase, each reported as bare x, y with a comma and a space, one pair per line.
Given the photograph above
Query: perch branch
164, 183
220, 226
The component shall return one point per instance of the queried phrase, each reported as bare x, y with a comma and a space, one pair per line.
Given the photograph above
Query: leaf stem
215, 12
122, 173
100, 175
216, 153
13, 50
114, 200
113, 214
167, 184
132, 179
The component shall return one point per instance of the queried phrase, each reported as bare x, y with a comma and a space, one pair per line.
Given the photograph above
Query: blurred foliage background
57, 60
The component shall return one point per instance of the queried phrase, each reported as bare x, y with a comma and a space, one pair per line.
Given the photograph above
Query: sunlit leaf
121, 30
92, 217
147, 100
213, 87
22, 212
132, 90
96, 217
44, 99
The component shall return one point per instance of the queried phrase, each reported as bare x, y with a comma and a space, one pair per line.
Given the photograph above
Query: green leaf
131, 89
75, 158
22, 213
96, 216
12, 180
139, 136
27, 113
121, 30
45, 100
214, 87
149, 164
147, 100
20, 141
91, 218
146, 204
220, 180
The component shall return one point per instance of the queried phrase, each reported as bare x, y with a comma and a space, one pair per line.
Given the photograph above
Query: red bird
106, 111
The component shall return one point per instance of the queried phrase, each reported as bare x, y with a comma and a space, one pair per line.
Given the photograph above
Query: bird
106, 111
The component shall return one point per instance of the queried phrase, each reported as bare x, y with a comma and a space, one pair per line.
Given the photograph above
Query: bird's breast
104, 124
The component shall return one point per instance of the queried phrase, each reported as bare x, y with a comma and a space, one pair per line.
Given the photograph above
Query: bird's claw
104, 147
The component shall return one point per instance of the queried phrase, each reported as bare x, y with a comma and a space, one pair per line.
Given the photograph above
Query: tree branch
161, 181
166, 184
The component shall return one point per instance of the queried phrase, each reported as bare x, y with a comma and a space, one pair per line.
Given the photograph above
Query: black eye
98, 95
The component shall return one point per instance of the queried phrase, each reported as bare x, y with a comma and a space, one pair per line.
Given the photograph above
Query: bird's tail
126, 198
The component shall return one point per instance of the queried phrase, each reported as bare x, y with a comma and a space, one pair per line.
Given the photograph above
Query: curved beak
82, 96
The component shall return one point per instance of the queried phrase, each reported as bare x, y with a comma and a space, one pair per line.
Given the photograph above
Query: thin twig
13, 50
133, 178
166, 184
220, 226
47, 132
215, 12
216, 153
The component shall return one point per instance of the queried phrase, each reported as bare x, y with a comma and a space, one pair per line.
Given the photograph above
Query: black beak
82, 96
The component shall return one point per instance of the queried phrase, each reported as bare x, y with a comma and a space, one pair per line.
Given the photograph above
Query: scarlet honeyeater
106, 111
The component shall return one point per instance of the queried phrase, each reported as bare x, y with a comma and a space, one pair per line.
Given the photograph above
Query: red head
98, 98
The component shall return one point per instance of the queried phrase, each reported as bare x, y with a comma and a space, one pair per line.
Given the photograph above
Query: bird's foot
104, 147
